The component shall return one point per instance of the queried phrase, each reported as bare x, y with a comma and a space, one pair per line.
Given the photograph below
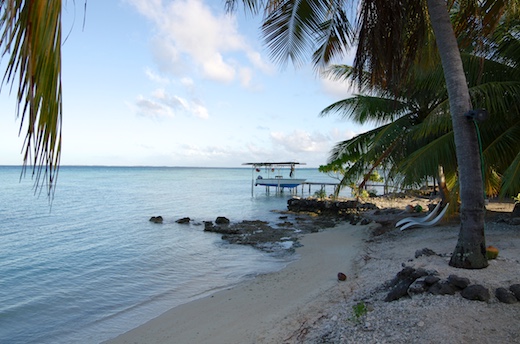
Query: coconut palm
389, 33
399, 116
31, 38
424, 137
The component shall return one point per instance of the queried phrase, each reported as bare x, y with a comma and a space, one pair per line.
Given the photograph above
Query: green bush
359, 310
517, 198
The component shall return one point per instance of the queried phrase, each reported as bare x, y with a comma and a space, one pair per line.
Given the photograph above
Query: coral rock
505, 296
476, 292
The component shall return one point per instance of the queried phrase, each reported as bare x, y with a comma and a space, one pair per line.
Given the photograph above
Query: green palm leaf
31, 37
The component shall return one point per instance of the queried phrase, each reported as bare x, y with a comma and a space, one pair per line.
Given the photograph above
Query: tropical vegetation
391, 37
415, 135
31, 39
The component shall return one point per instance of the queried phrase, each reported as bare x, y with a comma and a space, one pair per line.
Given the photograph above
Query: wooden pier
322, 185
305, 186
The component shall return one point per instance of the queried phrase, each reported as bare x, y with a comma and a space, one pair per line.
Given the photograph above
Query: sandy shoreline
305, 302
260, 311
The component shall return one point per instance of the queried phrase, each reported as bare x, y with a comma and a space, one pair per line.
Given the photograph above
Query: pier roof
273, 163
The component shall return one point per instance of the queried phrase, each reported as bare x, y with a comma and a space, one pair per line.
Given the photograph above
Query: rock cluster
410, 281
327, 206
156, 219
259, 234
183, 220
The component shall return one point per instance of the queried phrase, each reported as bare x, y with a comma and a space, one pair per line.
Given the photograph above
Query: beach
306, 303
256, 311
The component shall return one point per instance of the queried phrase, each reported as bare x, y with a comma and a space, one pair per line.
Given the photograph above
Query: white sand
264, 310
306, 304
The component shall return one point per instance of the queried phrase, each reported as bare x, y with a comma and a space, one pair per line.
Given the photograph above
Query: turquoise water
92, 266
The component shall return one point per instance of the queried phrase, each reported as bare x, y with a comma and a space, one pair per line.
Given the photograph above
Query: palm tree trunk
470, 252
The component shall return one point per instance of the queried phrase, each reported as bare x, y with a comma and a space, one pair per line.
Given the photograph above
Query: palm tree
399, 118
389, 33
31, 37
416, 133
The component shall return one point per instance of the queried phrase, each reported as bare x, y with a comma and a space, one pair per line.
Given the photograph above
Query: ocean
90, 265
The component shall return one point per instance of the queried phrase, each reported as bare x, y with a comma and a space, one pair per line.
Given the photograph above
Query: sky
180, 83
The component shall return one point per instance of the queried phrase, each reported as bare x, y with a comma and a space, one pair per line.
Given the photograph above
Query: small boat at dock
279, 181
273, 175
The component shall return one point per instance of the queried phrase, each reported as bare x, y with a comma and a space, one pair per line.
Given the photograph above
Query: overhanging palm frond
31, 37
424, 161
335, 36
367, 109
501, 143
511, 178
386, 48
287, 31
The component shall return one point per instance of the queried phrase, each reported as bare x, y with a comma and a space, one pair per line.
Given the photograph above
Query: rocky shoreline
405, 293
436, 303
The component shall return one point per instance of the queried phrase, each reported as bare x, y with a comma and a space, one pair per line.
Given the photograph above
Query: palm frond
335, 34
294, 28
367, 109
387, 48
31, 36
511, 178
425, 160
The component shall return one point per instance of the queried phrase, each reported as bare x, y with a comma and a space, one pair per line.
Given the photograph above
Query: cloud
189, 37
150, 74
150, 108
301, 141
161, 104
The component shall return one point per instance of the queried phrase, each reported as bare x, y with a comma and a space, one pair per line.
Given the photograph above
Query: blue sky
180, 83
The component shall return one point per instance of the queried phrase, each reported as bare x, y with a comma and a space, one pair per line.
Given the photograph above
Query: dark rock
342, 276
505, 296
221, 220
442, 288
208, 226
398, 291
156, 219
459, 282
420, 273
222, 230
400, 284
431, 280
475, 292
418, 286
365, 222
515, 289
516, 210
184, 220
424, 252
324, 205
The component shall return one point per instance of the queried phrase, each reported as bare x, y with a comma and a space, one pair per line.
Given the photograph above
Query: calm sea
93, 266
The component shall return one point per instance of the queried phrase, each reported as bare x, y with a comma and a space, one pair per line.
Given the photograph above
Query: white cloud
150, 108
190, 37
199, 111
187, 82
301, 141
156, 77
162, 105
